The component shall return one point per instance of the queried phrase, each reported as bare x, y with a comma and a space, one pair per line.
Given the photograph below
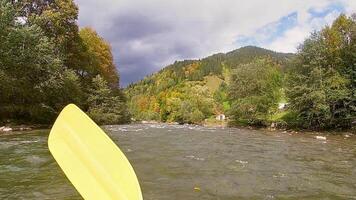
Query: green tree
180, 89
58, 21
190, 103
106, 107
255, 91
321, 81
221, 97
45, 64
28, 63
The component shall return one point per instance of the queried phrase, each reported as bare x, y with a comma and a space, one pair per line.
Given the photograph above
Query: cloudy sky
146, 35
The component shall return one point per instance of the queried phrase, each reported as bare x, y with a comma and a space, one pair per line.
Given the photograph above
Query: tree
30, 68
45, 64
104, 106
255, 91
321, 81
181, 91
191, 103
58, 21
99, 57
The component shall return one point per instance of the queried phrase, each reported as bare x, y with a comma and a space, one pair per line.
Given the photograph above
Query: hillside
190, 91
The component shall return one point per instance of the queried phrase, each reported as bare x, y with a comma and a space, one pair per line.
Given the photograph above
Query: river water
192, 162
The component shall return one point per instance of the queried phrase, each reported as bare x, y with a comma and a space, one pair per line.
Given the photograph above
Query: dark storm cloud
133, 40
127, 33
140, 46
136, 26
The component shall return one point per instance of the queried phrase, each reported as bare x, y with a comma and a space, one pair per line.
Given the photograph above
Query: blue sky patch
270, 31
338, 7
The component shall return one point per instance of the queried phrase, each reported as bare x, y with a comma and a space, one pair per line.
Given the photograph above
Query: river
192, 162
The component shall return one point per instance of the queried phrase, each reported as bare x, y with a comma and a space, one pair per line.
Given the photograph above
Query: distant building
220, 117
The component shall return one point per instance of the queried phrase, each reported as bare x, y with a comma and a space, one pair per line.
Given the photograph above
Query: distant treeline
191, 91
46, 62
316, 86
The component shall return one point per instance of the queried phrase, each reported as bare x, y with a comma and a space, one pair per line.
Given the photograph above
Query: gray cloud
147, 35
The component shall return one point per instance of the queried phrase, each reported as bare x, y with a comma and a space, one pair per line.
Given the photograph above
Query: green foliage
58, 21
221, 97
191, 104
42, 63
104, 106
188, 103
28, 63
213, 83
255, 91
321, 81
291, 119
191, 91
248, 83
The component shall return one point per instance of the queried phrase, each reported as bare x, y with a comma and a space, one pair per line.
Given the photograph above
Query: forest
316, 85
47, 62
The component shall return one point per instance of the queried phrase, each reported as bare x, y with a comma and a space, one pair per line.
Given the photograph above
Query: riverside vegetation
47, 61
317, 84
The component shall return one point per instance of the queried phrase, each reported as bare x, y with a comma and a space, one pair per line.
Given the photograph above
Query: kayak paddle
90, 159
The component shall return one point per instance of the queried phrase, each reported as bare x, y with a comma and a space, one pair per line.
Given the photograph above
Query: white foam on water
242, 162
35, 159
269, 196
195, 158
191, 156
122, 129
12, 168
29, 141
8, 144
157, 126
320, 137
279, 175
178, 126
39, 195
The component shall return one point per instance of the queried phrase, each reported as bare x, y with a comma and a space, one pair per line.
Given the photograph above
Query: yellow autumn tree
99, 55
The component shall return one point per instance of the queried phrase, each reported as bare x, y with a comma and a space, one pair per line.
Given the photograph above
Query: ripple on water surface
192, 162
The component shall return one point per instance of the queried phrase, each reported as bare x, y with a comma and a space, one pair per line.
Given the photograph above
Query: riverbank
207, 123
21, 128
270, 129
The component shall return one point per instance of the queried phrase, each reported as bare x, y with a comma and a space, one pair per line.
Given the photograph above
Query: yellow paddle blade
90, 159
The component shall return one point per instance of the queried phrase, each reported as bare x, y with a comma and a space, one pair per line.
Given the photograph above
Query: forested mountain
318, 85
190, 91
